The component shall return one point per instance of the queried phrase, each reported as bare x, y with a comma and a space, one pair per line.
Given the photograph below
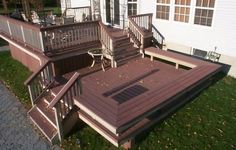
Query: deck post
128, 144
23, 35
41, 41
177, 66
9, 27
151, 57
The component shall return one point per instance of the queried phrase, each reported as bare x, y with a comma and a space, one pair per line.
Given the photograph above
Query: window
182, 10
163, 9
204, 12
132, 7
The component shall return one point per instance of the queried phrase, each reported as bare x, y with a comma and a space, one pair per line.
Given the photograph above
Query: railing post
23, 35
31, 95
41, 41
9, 28
150, 23
58, 122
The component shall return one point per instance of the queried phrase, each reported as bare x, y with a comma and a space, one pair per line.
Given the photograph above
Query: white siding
74, 3
222, 33
80, 3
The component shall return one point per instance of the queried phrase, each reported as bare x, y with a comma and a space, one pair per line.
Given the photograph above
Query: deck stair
51, 109
44, 116
124, 49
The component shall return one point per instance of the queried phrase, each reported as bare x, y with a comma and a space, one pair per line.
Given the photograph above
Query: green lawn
56, 10
208, 122
13, 74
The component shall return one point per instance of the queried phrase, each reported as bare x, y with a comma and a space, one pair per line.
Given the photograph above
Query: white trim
97, 118
99, 130
41, 40
9, 28
22, 31
23, 49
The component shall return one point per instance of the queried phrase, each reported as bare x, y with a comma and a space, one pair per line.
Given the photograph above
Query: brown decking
123, 97
105, 92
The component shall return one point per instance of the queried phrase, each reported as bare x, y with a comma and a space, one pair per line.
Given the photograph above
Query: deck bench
164, 55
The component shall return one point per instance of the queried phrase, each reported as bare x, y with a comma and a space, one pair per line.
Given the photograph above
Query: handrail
140, 15
64, 90
35, 27
39, 82
67, 25
136, 26
144, 21
34, 75
106, 39
158, 36
105, 28
24, 33
140, 29
64, 37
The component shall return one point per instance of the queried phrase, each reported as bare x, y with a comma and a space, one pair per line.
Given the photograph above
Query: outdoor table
97, 55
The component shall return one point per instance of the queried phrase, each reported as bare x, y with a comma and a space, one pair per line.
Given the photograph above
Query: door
113, 12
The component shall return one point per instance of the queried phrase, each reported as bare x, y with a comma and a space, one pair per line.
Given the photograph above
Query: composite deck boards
148, 74
125, 95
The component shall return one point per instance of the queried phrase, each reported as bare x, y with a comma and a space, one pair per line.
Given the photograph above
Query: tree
4, 3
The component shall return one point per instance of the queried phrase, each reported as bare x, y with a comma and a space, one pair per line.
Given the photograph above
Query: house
186, 24
129, 86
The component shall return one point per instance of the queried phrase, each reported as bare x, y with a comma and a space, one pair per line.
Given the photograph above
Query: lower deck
123, 101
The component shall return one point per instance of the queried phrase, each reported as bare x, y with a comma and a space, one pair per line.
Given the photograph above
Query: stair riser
122, 41
127, 50
128, 54
123, 61
123, 48
123, 45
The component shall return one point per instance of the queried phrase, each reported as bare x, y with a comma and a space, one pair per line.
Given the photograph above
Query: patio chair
213, 56
35, 17
24, 17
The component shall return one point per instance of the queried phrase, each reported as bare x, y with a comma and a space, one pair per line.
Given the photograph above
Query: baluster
58, 121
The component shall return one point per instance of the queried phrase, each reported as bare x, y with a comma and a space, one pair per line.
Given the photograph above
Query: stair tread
49, 112
48, 98
43, 124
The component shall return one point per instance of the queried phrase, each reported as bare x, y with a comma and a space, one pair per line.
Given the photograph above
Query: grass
13, 74
56, 10
208, 122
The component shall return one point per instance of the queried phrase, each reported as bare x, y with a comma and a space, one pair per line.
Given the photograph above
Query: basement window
163, 9
204, 12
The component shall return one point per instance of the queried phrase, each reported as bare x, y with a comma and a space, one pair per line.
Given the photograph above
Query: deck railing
61, 37
140, 29
40, 81
63, 103
158, 37
49, 39
144, 21
23, 32
106, 40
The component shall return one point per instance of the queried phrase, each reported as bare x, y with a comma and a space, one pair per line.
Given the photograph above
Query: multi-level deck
132, 94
